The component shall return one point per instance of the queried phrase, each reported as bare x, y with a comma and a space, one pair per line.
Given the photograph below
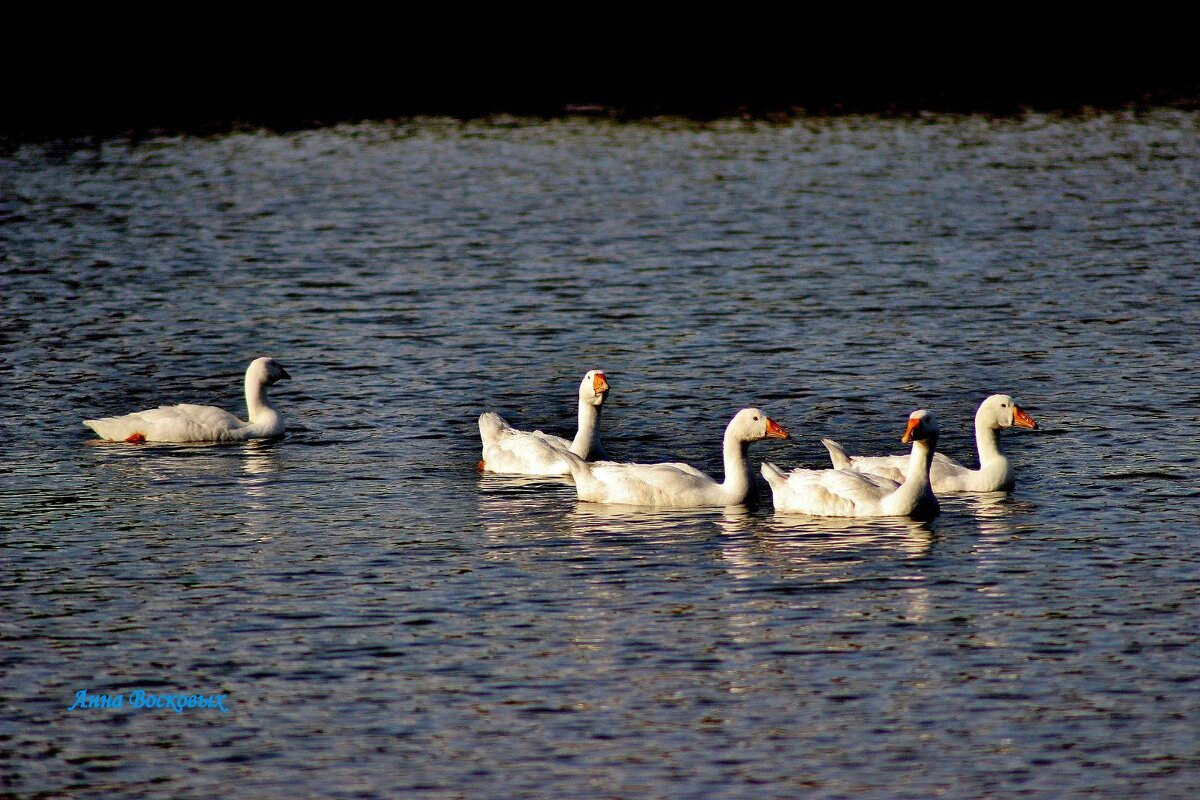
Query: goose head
922, 427
751, 424
593, 388
265, 371
1001, 411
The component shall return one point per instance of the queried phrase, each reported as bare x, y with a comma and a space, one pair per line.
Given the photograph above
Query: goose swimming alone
192, 423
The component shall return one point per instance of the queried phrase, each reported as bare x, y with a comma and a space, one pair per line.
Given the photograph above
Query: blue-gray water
386, 622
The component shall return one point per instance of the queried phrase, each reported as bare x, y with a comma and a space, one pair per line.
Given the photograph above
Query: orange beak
599, 383
775, 430
913, 424
1021, 419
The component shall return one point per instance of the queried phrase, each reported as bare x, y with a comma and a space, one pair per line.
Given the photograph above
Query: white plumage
846, 493
674, 485
995, 473
193, 423
509, 451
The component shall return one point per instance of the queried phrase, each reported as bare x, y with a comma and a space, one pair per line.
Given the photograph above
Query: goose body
510, 451
995, 474
193, 423
675, 485
846, 493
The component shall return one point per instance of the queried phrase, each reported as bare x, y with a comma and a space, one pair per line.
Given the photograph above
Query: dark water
385, 622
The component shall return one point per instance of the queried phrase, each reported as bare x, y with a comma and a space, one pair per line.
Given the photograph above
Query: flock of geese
857, 486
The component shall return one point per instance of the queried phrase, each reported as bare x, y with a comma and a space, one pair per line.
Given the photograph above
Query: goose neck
585, 441
256, 398
916, 478
738, 481
914, 494
987, 443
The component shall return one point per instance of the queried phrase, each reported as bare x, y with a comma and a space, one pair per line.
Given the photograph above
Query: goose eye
756, 419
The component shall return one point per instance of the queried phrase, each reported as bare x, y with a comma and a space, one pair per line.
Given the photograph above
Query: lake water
384, 621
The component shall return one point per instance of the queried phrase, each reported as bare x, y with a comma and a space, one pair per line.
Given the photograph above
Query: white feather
193, 423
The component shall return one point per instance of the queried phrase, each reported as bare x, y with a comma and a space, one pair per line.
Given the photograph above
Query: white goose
510, 451
192, 423
845, 493
995, 473
679, 485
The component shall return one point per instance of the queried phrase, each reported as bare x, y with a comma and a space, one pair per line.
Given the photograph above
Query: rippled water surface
384, 621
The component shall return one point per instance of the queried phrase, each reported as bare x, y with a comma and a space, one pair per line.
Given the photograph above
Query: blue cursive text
140, 698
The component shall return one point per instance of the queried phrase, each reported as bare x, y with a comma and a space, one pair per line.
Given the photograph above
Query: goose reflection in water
522, 506
527, 505
814, 554
994, 512
259, 465
514, 485
645, 521
258, 461
805, 541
